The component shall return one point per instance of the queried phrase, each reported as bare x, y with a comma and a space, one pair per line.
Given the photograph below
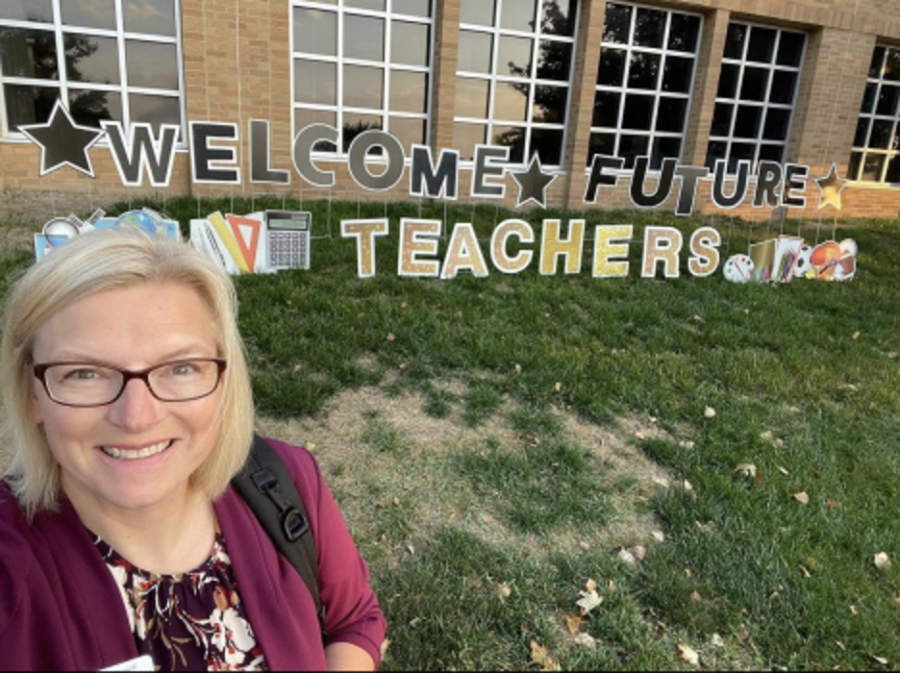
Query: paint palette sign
780, 260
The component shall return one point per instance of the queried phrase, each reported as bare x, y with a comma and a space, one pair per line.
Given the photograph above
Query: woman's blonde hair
92, 263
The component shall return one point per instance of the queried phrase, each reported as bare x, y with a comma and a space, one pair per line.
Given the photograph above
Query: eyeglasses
80, 384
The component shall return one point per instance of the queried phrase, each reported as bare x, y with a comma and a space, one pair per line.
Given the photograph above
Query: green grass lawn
804, 380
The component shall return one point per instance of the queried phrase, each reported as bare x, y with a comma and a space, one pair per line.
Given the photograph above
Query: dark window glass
762, 44
747, 123
304, 118
409, 43
363, 87
28, 53
893, 170
892, 65
790, 49
644, 71
677, 74
89, 108
873, 167
554, 61
550, 104
612, 67
466, 137
315, 82
877, 62
854, 166
671, 114
408, 131
632, 147
154, 17
617, 24
721, 125
862, 133
715, 152
409, 91
513, 138
638, 114
477, 12
514, 58
606, 109
735, 40
887, 100
548, 145
28, 104
602, 143
27, 10
559, 17
683, 32
472, 98
771, 153
94, 59
784, 85
152, 65
755, 84
155, 110
355, 123
518, 15
649, 28
664, 148
315, 31
881, 134
740, 152
475, 52
89, 13
869, 98
728, 81
511, 102
363, 37
420, 8
777, 123
377, 5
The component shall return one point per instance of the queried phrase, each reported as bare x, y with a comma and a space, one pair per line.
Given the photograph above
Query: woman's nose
136, 409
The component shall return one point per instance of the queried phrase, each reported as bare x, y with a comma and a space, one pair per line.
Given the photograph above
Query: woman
128, 412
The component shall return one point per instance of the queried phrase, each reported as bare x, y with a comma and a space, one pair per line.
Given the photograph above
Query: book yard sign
271, 241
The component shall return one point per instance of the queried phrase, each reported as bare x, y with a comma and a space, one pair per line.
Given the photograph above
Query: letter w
142, 149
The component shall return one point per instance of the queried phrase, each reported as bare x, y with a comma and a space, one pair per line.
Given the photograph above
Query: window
644, 83
877, 140
108, 59
757, 89
514, 77
363, 64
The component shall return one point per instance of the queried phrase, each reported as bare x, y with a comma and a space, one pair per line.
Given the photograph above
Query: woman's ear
34, 406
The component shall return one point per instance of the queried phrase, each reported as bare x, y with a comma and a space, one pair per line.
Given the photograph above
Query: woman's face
132, 328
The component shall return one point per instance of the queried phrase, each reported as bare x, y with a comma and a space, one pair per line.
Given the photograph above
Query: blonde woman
128, 411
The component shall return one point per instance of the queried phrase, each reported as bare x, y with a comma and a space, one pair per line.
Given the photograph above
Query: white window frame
493, 79
765, 105
873, 116
387, 65
658, 92
63, 85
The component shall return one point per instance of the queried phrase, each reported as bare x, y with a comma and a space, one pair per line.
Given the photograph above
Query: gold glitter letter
464, 253
364, 231
418, 237
662, 244
705, 247
502, 234
552, 246
606, 248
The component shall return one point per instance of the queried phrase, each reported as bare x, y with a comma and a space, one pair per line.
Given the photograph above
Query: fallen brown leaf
696, 598
832, 505
746, 470
784, 471
391, 337
590, 585
879, 660
709, 412
586, 641
802, 498
573, 623
882, 561
504, 590
688, 655
541, 657
856, 335
854, 610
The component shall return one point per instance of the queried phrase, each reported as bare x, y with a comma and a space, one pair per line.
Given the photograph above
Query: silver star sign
533, 183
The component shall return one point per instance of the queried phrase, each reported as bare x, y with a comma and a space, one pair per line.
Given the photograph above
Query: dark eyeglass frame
40, 373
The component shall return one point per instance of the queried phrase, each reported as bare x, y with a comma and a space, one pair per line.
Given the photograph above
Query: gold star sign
830, 188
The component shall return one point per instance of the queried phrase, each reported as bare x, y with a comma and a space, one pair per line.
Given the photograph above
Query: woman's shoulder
17, 558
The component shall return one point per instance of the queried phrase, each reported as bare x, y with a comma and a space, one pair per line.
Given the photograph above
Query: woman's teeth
130, 454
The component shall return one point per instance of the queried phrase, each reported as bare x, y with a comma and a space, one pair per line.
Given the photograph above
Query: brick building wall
237, 67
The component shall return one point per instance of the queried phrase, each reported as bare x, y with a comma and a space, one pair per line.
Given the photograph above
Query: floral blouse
193, 621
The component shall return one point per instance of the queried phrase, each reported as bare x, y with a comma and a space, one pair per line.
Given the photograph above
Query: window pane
154, 17
649, 28
152, 65
354, 124
877, 64
28, 53
631, 147
747, 123
518, 14
618, 23
477, 12
755, 85
315, 31
777, 122
377, 5
475, 52
363, 87
762, 44
466, 137
784, 85
716, 151
892, 66
472, 98
638, 113
363, 38
893, 170
550, 104
155, 110
27, 10
420, 8
548, 145
862, 133
887, 101
409, 91
89, 13
514, 58
854, 166
677, 74
606, 109
728, 81
644, 72
28, 104
304, 118
511, 101
554, 61
771, 153
408, 131
92, 59
741, 152
315, 82
664, 148
89, 108
881, 134
602, 143
721, 125
671, 115
873, 167
683, 32
559, 17
409, 43
612, 67
869, 98
513, 138
735, 41
790, 49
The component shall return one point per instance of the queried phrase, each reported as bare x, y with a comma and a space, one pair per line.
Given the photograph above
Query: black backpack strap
269, 490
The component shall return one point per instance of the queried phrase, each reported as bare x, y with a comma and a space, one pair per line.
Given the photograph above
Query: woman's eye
183, 369
83, 375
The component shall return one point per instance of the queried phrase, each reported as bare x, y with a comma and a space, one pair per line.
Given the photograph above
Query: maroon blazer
61, 609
